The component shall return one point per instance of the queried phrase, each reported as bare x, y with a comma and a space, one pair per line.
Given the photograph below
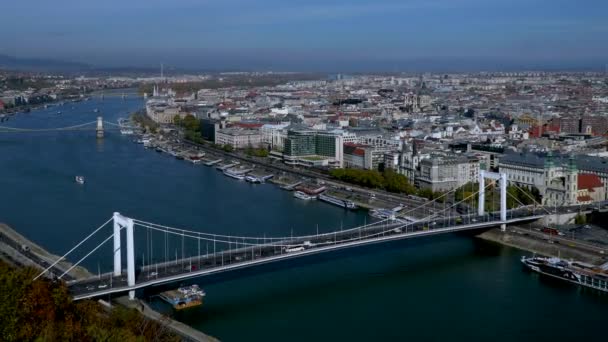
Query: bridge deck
204, 265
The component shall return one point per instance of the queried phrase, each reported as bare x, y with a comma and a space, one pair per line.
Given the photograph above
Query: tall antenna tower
162, 71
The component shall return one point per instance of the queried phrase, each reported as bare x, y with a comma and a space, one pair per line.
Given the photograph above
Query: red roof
250, 125
589, 181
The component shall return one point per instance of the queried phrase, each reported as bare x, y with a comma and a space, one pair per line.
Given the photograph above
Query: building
313, 148
590, 188
560, 183
444, 173
209, 127
409, 161
274, 135
238, 137
552, 174
368, 157
354, 156
588, 124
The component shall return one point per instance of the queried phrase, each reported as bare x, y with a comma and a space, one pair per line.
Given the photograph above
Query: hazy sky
312, 34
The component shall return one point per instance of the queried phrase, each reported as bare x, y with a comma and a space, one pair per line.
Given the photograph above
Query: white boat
229, 173
382, 213
303, 196
337, 201
253, 179
126, 131
80, 179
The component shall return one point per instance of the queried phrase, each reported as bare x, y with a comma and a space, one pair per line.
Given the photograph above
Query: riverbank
186, 332
21, 252
522, 239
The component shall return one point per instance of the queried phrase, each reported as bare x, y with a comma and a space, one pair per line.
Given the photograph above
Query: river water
448, 287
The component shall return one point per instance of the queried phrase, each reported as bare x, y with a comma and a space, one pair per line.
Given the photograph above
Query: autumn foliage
42, 310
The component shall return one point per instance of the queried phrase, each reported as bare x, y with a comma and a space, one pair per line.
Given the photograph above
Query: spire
572, 164
549, 160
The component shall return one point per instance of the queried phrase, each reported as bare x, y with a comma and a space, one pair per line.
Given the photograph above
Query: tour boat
303, 196
576, 272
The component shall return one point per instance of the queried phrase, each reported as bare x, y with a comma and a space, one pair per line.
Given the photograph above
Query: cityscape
220, 198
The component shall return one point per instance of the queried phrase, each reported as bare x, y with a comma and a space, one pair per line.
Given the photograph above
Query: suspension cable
140, 222
532, 198
86, 256
285, 237
71, 250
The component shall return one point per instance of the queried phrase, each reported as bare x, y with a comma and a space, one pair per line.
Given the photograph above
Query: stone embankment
546, 245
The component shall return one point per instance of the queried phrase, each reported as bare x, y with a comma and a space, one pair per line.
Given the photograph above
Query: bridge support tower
121, 222
502, 178
99, 127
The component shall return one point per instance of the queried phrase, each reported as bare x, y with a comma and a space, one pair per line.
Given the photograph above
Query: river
448, 287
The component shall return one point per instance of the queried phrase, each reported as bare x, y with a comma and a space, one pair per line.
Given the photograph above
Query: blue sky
302, 35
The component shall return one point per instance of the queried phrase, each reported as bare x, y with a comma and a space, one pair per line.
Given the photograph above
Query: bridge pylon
502, 178
99, 128
127, 223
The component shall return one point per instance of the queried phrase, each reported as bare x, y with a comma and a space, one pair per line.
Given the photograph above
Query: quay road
562, 240
226, 260
27, 253
312, 174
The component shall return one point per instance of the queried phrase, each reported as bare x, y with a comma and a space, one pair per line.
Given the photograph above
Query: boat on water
303, 196
233, 174
382, 213
576, 272
96, 110
184, 297
253, 179
79, 179
337, 201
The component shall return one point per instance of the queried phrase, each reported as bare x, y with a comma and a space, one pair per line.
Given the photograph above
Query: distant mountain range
52, 65
39, 64
430, 64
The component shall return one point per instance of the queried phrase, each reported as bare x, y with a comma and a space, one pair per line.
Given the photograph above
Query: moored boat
234, 175
303, 196
184, 297
576, 272
336, 201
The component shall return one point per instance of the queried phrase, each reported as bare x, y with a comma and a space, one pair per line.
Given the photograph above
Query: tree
42, 310
177, 120
191, 123
395, 182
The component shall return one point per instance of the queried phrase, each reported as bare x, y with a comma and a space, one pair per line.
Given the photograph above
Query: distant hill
39, 64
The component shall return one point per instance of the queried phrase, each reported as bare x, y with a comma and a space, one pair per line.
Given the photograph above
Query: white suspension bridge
99, 126
203, 254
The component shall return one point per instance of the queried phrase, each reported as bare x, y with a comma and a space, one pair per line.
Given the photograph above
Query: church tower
571, 175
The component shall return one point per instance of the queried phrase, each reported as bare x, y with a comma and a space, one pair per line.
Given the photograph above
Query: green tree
580, 219
177, 120
191, 123
395, 182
